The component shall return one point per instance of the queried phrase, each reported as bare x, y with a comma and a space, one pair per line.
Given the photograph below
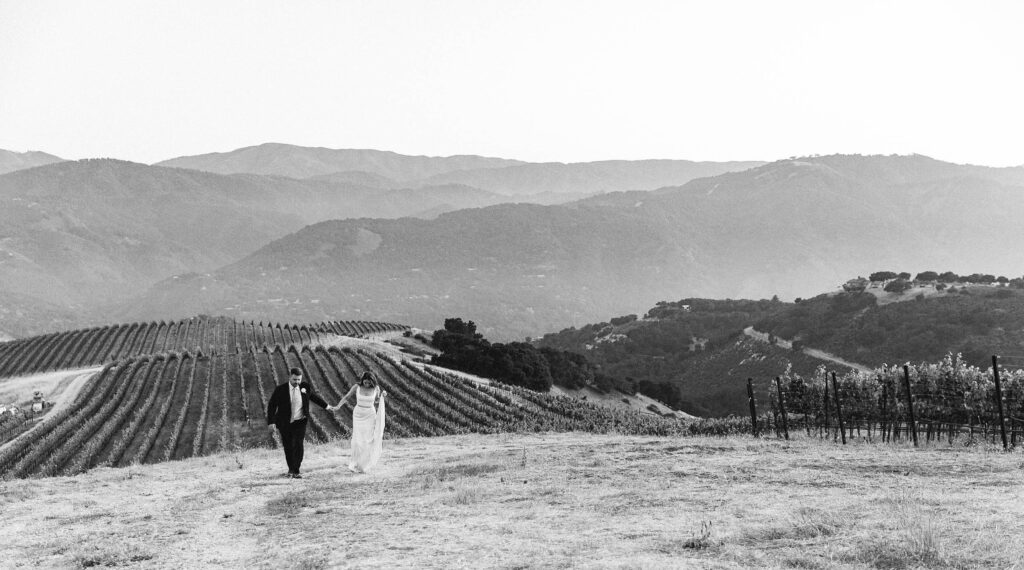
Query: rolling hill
587, 178
78, 236
304, 162
534, 182
690, 353
919, 324
11, 161
693, 355
196, 387
792, 228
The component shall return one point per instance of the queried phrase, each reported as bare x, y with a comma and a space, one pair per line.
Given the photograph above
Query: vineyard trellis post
839, 405
828, 419
753, 405
782, 408
885, 401
999, 399
910, 403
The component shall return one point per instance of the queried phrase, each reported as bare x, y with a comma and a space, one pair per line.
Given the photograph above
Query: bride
367, 425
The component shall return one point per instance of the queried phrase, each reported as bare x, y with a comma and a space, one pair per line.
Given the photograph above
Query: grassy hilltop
534, 500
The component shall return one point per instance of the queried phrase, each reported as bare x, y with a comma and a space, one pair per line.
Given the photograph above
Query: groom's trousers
292, 436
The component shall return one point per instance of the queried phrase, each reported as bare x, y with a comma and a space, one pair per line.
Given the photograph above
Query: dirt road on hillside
59, 387
812, 352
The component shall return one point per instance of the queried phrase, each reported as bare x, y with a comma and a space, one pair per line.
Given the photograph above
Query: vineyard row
209, 335
945, 400
183, 404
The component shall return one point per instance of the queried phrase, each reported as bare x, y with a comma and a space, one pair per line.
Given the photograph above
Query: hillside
975, 320
196, 387
521, 270
79, 236
73, 349
304, 162
11, 161
382, 169
516, 269
587, 178
690, 353
82, 234
555, 500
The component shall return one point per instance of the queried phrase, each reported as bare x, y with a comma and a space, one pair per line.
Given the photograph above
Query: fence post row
999, 400
782, 408
752, 404
839, 405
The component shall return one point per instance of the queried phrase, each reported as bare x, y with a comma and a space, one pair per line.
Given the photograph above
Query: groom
288, 409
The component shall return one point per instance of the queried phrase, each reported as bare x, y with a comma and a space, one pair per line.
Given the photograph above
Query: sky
548, 80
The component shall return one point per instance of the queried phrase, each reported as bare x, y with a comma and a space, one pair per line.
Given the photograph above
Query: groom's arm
272, 408
316, 399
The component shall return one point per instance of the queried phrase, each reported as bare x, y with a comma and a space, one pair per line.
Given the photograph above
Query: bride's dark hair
368, 376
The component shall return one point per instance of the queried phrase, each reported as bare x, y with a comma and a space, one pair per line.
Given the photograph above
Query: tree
949, 277
897, 286
927, 276
456, 333
882, 276
903, 275
982, 278
458, 326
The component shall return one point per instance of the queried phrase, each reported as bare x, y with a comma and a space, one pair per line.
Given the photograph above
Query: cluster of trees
948, 277
516, 363
899, 282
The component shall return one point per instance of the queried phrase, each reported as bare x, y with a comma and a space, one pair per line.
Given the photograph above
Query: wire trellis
948, 400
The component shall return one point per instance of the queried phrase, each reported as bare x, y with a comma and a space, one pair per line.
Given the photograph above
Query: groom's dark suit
279, 413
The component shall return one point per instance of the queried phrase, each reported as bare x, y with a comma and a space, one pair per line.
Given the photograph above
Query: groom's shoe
296, 476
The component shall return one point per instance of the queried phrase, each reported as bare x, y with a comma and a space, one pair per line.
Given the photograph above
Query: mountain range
790, 228
97, 240
502, 176
82, 239
303, 162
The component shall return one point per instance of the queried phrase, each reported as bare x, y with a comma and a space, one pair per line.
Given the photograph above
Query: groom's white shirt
296, 397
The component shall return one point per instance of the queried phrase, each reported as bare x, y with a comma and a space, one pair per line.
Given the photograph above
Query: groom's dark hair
295, 372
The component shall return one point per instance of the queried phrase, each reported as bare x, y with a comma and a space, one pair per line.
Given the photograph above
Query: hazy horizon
538, 82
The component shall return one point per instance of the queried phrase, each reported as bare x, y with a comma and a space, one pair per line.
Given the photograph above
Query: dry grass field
535, 501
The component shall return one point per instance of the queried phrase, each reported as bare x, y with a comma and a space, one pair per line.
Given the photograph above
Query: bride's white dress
367, 431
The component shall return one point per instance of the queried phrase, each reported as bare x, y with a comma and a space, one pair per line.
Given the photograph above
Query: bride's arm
337, 406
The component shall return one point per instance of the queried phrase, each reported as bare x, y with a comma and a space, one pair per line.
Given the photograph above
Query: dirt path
59, 387
812, 352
